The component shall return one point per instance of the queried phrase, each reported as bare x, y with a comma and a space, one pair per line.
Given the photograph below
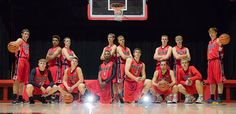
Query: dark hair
137, 49
56, 36
66, 38
25, 30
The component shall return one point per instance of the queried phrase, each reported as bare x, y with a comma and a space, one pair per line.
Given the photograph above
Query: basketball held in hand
224, 39
163, 85
12, 47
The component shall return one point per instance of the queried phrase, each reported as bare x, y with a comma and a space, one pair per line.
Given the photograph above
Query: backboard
106, 10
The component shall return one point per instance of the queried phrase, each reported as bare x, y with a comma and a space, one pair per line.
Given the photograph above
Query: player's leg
29, 90
199, 87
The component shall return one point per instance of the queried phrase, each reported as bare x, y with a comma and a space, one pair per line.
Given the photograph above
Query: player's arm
74, 55
102, 55
143, 72
65, 79
66, 54
130, 54
31, 78
155, 75
173, 80
127, 68
99, 78
188, 54
50, 79
18, 41
167, 56
113, 50
196, 74
54, 55
181, 79
122, 55
113, 73
156, 55
80, 76
176, 55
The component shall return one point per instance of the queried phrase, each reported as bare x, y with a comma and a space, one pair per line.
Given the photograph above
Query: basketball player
190, 82
73, 80
123, 53
66, 55
53, 58
23, 66
110, 47
107, 72
163, 52
164, 74
214, 54
135, 87
37, 88
54, 62
179, 52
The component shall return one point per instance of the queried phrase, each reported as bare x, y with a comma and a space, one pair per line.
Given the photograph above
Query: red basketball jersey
109, 48
126, 52
55, 61
180, 51
106, 70
213, 50
162, 51
24, 50
63, 58
165, 76
135, 69
72, 76
39, 78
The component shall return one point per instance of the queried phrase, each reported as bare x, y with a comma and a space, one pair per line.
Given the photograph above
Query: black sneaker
43, 100
14, 101
22, 101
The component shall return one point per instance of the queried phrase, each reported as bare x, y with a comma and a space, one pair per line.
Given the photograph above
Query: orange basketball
12, 47
163, 85
224, 39
68, 98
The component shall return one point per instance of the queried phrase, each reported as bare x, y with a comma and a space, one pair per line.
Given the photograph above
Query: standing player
66, 55
111, 47
179, 52
107, 72
38, 88
123, 53
53, 58
135, 86
23, 66
166, 75
73, 79
214, 54
163, 52
190, 82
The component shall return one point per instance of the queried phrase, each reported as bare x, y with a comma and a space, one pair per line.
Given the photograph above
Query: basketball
163, 85
68, 98
224, 39
12, 47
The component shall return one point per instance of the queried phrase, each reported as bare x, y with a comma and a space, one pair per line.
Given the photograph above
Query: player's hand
143, 78
103, 84
43, 89
48, 89
70, 89
138, 79
220, 48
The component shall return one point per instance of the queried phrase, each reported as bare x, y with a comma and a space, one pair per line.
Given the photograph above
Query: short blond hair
212, 29
120, 36
179, 36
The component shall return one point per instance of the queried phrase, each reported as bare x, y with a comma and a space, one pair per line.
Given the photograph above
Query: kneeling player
164, 83
107, 71
37, 88
73, 80
190, 82
135, 86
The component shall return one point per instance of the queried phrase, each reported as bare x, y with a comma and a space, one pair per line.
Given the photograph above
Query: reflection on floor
97, 108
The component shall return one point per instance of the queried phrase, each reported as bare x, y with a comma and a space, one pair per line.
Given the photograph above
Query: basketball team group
121, 75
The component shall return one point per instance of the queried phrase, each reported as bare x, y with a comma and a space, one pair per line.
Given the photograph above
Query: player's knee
175, 87
197, 82
148, 82
81, 86
29, 87
180, 86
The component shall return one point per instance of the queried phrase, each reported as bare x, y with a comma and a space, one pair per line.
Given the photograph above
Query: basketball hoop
118, 10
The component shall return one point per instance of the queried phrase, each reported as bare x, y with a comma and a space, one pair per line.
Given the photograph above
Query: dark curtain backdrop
68, 18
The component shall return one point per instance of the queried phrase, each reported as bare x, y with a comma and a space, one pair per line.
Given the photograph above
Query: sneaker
169, 99
159, 99
22, 101
218, 101
209, 101
14, 101
200, 100
189, 99
175, 99
43, 100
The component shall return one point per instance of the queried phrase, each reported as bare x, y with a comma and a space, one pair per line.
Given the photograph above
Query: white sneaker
169, 99
200, 100
189, 99
175, 99
159, 99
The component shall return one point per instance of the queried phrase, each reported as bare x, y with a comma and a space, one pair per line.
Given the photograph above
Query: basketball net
118, 11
